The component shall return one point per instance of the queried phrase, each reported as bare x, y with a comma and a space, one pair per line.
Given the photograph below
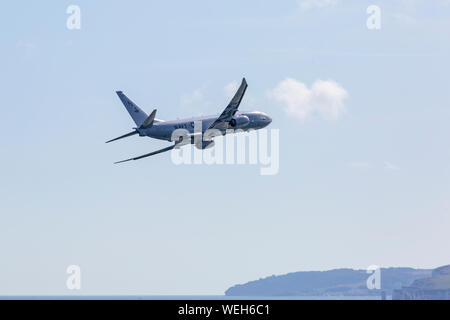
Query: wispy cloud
360, 164
230, 89
306, 4
405, 19
364, 164
325, 98
26, 45
390, 166
204, 100
411, 13
195, 102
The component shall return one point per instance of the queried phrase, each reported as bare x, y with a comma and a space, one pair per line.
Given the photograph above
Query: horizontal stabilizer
132, 133
148, 154
149, 121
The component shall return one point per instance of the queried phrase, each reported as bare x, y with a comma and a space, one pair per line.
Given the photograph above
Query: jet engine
239, 122
204, 144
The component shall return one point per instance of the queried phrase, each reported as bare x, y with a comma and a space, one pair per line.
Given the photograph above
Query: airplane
230, 118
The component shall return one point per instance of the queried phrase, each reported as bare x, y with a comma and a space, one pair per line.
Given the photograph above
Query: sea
187, 297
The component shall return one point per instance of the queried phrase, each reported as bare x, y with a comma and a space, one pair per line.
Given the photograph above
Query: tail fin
135, 112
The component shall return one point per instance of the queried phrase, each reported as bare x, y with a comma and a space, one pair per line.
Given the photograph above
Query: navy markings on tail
135, 112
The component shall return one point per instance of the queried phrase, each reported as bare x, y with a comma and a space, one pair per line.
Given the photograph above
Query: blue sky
369, 186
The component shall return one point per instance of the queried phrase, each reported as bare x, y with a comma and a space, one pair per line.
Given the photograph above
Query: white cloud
195, 96
325, 98
405, 19
194, 103
200, 101
306, 4
390, 166
230, 89
360, 164
363, 164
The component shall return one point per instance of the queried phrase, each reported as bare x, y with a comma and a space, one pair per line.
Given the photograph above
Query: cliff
436, 287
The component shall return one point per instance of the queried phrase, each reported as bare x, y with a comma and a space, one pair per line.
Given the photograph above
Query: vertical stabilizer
135, 112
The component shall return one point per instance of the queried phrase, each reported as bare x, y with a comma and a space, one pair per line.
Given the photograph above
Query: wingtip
117, 162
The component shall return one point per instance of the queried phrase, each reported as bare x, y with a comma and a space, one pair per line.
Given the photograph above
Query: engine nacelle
204, 145
239, 122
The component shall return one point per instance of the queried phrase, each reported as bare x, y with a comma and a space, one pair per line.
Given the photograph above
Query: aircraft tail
135, 112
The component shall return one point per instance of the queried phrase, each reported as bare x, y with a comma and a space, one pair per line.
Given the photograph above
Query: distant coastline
435, 287
331, 283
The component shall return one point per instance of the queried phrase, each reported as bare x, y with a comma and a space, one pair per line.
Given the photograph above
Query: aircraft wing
148, 154
186, 140
222, 121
